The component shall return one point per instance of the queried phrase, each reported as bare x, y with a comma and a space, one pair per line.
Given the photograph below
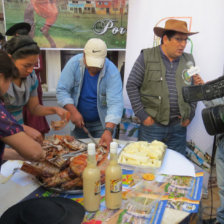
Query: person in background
12, 133
90, 88
154, 87
39, 123
219, 160
23, 90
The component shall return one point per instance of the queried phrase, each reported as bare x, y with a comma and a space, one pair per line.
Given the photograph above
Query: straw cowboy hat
173, 25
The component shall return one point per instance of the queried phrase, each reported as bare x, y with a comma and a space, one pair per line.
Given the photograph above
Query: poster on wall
68, 24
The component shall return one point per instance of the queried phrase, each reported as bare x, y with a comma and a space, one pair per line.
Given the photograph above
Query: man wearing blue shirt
90, 87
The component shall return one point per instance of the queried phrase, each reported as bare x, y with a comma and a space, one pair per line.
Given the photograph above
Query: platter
62, 191
66, 159
59, 190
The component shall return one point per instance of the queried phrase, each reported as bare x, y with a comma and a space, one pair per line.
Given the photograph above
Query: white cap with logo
95, 52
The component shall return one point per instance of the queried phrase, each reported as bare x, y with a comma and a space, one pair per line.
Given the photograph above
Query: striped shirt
135, 81
171, 68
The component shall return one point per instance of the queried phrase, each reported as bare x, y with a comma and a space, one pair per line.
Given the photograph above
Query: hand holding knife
89, 135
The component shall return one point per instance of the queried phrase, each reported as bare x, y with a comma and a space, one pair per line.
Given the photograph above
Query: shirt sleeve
114, 94
33, 84
134, 83
67, 82
8, 125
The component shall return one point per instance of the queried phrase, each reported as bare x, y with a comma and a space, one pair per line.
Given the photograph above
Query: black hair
169, 34
7, 67
21, 46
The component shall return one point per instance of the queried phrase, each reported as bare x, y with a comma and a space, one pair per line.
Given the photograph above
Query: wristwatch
111, 130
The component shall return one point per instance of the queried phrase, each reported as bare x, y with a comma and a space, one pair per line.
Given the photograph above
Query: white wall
208, 45
53, 69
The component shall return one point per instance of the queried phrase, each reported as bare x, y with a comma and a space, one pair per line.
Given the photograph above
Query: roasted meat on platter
59, 145
65, 161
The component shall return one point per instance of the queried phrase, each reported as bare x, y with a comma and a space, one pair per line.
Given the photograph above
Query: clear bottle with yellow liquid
91, 181
113, 178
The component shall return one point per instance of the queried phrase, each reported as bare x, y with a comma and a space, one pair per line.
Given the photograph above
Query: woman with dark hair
36, 122
23, 90
11, 133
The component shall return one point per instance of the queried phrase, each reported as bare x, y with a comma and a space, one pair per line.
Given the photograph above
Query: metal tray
146, 168
61, 191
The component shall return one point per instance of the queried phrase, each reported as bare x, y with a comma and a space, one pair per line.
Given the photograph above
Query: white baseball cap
95, 52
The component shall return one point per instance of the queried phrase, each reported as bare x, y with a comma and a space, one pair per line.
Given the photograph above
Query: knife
89, 135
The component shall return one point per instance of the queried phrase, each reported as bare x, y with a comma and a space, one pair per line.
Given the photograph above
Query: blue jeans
95, 128
220, 177
174, 136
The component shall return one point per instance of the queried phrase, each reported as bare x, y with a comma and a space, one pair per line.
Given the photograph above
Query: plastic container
143, 197
139, 151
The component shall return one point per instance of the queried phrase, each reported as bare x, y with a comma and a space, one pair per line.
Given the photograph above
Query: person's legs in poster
29, 18
48, 10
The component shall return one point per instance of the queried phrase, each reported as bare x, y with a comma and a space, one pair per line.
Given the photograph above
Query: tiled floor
210, 204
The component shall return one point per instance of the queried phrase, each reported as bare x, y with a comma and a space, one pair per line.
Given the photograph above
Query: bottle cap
91, 149
113, 147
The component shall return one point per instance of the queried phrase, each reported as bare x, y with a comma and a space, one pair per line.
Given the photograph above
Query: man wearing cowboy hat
155, 86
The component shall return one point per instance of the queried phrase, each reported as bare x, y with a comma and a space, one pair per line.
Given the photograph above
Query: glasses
180, 40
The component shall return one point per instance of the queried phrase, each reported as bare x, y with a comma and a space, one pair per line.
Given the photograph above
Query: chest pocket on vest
153, 79
151, 89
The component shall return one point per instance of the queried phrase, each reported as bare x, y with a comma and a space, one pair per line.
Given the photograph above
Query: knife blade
89, 135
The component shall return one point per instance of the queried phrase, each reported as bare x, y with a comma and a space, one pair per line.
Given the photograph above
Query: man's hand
148, 121
77, 119
197, 80
106, 139
185, 123
33, 133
